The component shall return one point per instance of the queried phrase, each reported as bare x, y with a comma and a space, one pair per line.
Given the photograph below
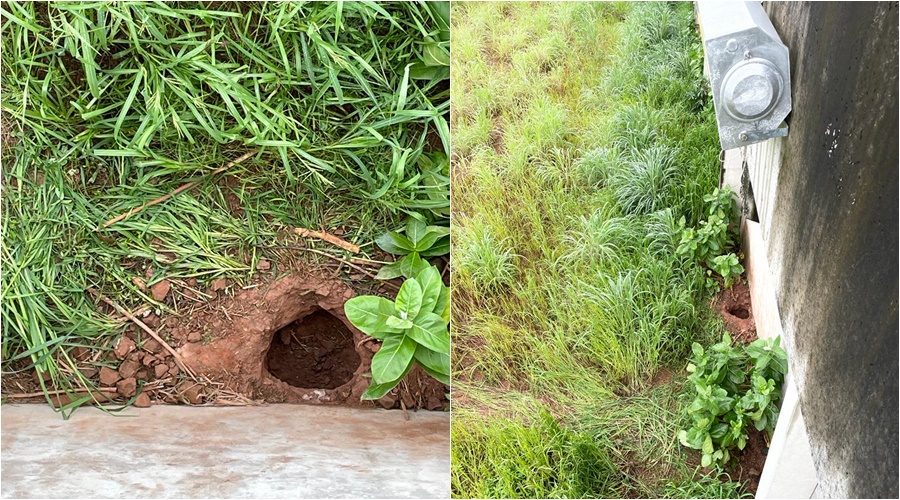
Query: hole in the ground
739, 311
314, 352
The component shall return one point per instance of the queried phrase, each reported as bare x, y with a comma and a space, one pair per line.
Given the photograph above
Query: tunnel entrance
314, 352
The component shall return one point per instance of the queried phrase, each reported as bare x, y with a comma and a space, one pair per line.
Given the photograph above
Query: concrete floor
278, 451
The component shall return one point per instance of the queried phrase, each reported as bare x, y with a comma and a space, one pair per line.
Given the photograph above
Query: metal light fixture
749, 71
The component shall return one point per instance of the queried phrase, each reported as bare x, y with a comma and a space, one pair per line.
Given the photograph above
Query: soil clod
160, 289
124, 347
142, 400
108, 376
126, 388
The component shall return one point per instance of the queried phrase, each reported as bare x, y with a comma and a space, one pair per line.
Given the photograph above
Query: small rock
126, 388
192, 282
218, 284
263, 265
142, 374
142, 400
135, 356
194, 336
388, 401
140, 283
128, 368
124, 347
171, 321
88, 371
160, 289
160, 370
148, 273
190, 392
174, 371
148, 360
108, 376
152, 321
152, 346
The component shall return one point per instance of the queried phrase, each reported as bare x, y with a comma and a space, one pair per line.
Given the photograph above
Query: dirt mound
272, 341
288, 341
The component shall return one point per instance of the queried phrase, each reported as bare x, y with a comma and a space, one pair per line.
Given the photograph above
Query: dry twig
330, 238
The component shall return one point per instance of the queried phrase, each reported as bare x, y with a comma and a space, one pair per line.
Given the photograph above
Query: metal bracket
753, 136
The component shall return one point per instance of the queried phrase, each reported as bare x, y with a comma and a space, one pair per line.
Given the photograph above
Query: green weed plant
736, 387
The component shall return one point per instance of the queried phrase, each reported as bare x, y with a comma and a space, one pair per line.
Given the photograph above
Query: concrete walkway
278, 451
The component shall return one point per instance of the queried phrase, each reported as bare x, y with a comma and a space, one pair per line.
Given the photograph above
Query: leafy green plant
710, 242
728, 267
412, 329
726, 402
418, 241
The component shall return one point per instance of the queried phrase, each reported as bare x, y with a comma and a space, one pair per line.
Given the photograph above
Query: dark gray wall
834, 238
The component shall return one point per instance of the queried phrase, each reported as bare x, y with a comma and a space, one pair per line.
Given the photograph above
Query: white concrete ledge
279, 451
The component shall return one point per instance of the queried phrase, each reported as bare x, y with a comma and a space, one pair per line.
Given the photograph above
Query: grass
109, 105
582, 134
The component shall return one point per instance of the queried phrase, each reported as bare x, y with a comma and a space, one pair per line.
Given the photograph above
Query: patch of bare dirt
733, 304
233, 337
237, 338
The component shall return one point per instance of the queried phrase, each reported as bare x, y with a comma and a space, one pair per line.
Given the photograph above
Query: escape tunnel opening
314, 352
739, 312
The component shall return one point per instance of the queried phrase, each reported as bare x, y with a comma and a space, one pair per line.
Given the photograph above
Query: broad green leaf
440, 247
395, 243
430, 330
409, 299
442, 306
412, 265
440, 377
376, 390
430, 280
392, 359
707, 443
436, 361
436, 54
390, 271
398, 323
370, 314
415, 231
432, 235
420, 71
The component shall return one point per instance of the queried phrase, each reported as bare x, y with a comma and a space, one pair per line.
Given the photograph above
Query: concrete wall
832, 240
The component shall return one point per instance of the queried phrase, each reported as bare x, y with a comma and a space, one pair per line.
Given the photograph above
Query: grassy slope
581, 135
109, 106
